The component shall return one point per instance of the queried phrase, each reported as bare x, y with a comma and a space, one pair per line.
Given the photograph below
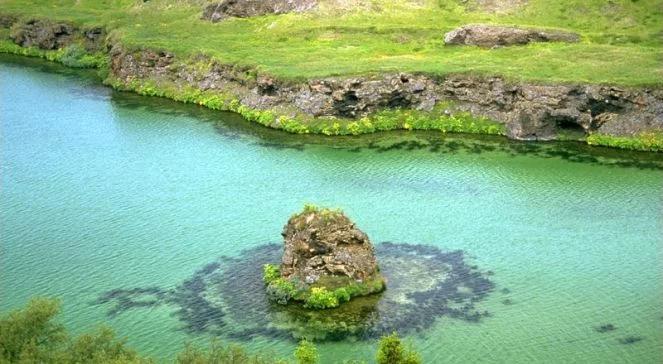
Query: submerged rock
323, 243
248, 8
484, 35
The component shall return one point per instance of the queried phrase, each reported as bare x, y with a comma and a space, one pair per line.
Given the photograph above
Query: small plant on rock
321, 298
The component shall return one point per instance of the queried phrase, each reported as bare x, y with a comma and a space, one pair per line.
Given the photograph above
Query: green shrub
219, 354
31, 335
281, 291
391, 351
271, 273
306, 353
320, 298
342, 295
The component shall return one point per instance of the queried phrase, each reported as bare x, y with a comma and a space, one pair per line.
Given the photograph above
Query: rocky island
326, 261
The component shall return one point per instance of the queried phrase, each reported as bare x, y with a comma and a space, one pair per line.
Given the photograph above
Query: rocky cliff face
50, 35
325, 243
529, 111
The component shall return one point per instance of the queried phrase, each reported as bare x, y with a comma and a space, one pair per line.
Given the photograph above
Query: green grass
621, 42
652, 142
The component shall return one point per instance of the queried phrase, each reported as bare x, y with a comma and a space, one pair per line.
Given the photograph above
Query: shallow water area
101, 190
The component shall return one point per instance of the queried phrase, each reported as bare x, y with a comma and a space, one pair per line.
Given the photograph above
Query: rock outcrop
321, 243
529, 111
494, 6
43, 34
51, 35
484, 35
6, 21
541, 112
248, 8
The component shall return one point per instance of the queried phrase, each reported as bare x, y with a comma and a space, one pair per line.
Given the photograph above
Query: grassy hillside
621, 39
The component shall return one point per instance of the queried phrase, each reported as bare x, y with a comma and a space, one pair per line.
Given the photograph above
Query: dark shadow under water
227, 297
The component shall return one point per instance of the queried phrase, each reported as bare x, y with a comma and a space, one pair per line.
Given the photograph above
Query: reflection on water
227, 297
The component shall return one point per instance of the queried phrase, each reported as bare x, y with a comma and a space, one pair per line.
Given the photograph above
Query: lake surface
103, 190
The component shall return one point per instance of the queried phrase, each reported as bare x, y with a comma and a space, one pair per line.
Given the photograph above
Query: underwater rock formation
227, 298
484, 35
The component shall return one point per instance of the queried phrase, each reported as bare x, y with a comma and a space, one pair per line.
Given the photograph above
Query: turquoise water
103, 190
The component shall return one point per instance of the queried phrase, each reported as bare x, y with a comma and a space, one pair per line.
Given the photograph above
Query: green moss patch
328, 292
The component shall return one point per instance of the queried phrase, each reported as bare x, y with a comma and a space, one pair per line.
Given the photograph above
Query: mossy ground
327, 292
621, 41
620, 45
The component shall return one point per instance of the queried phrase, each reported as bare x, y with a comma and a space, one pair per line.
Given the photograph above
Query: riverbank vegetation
620, 44
33, 334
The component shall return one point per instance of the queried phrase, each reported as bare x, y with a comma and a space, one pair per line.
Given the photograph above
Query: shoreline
362, 105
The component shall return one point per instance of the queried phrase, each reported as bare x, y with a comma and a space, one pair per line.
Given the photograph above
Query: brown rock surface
248, 8
484, 35
325, 243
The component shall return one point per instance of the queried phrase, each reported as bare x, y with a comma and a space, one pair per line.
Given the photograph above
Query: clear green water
102, 190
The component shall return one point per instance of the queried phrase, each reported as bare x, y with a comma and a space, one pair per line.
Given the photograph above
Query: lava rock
248, 8
325, 243
44, 34
484, 35
6, 20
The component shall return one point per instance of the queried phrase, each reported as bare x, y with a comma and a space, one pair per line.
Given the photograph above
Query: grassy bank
620, 44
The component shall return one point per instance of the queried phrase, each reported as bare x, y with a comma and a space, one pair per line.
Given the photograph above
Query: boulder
484, 35
44, 34
324, 245
248, 8
6, 20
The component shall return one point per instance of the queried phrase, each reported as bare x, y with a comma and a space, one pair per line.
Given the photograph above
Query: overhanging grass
621, 41
652, 141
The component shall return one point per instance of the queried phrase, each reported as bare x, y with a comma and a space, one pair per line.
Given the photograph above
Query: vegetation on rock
327, 261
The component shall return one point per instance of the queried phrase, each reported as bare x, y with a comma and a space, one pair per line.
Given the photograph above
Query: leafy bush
306, 353
342, 295
281, 290
391, 351
271, 273
30, 335
320, 298
218, 354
